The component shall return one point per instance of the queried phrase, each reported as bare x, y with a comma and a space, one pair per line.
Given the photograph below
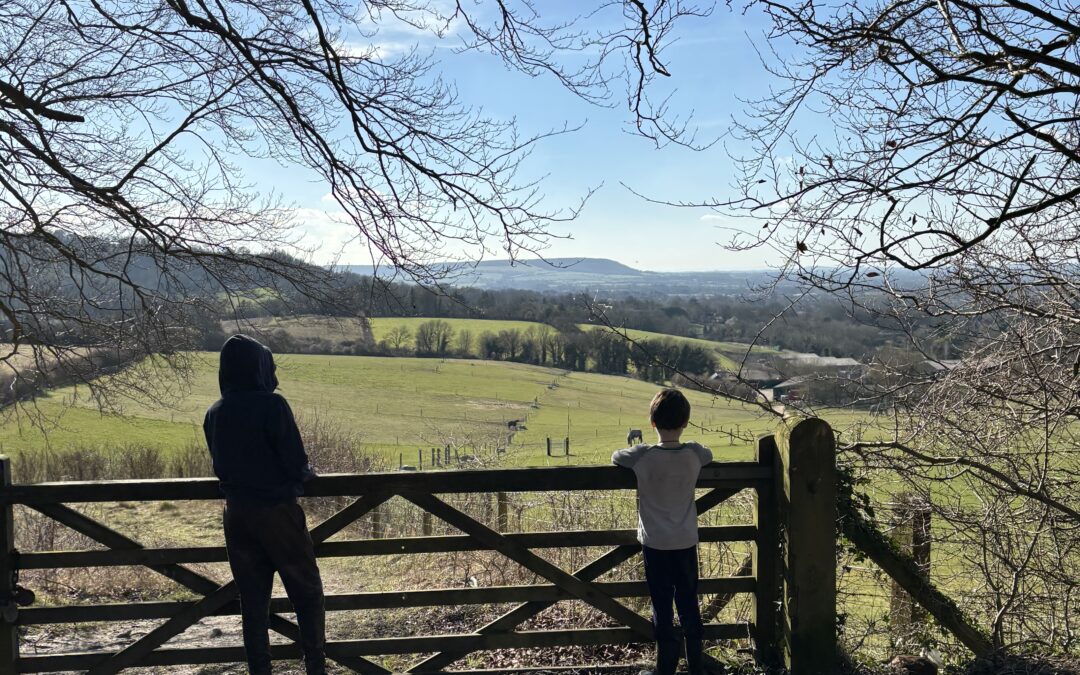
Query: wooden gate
792, 622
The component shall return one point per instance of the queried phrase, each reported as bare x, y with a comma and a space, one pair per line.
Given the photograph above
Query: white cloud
377, 50
328, 234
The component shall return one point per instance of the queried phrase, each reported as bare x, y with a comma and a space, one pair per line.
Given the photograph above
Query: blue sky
713, 65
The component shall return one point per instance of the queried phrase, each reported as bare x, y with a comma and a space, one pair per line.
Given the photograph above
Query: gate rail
792, 563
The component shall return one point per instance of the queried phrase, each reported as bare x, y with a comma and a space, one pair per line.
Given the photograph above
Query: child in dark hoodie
260, 460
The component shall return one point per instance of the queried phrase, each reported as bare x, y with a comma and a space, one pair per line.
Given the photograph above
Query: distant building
758, 375
793, 389
843, 367
934, 366
818, 361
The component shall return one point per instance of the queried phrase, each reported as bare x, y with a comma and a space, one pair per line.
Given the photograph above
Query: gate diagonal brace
215, 596
532, 562
590, 572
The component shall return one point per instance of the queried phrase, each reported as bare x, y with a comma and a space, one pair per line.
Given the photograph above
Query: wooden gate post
9, 632
808, 523
765, 558
911, 532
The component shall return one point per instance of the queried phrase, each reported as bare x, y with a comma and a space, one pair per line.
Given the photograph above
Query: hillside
381, 327
398, 405
344, 330
558, 274
728, 354
575, 274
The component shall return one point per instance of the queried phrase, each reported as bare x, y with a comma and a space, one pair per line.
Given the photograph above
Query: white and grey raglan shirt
666, 476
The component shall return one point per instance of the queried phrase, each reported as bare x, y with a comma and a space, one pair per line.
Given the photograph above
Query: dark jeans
261, 540
673, 576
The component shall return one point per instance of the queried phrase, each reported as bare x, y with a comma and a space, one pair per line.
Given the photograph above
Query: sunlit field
396, 406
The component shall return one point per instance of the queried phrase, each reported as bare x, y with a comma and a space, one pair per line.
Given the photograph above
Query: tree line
822, 325
595, 351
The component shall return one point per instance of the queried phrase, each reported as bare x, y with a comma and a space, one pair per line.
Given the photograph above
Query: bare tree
433, 338
126, 213
465, 342
399, 337
919, 160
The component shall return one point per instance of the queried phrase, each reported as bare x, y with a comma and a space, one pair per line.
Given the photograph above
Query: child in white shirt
667, 528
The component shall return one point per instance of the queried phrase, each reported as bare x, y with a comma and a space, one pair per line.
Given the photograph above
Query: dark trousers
261, 540
673, 576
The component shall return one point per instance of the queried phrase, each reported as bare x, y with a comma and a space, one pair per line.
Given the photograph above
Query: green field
728, 354
382, 325
395, 406
348, 329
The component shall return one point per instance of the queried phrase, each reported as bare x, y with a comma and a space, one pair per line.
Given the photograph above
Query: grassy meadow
394, 406
337, 329
391, 407
728, 354
382, 325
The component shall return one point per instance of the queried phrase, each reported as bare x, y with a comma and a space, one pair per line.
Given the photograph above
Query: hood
246, 365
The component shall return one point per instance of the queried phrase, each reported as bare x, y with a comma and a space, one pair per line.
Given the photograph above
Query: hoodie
252, 435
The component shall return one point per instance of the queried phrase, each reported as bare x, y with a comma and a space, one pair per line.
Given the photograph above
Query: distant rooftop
793, 382
941, 365
817, 361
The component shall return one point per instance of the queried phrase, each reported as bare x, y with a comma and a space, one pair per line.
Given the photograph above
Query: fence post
808, 525
376, 522
9, 632
911, 532
566, 446
426, 524
549, 446
502, 519
765, 557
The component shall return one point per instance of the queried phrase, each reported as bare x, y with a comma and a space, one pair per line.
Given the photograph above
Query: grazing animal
634, 433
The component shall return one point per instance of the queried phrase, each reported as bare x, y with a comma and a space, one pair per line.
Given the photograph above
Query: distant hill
564, 266
587, 274
560, 266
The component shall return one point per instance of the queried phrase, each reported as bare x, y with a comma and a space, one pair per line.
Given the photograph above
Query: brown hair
669, 409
